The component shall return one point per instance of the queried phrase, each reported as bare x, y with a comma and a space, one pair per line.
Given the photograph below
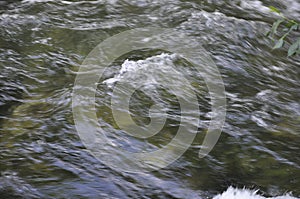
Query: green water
42, 45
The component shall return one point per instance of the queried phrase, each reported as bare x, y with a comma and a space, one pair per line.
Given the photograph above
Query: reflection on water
42, 44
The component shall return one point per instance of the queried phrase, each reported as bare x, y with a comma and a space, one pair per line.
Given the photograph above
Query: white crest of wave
148, 66
235, 193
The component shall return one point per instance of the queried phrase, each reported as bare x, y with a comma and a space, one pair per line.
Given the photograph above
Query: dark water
43, 43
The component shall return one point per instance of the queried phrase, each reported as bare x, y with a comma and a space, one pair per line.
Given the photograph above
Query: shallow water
43, 43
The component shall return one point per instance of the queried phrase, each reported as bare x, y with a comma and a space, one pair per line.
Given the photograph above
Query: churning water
42, 45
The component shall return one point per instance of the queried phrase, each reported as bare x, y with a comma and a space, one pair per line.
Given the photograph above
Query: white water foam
45, 1
149, 65
255, 5
235, 193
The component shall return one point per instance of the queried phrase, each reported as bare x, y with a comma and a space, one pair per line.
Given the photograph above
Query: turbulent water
42, 45
233, 193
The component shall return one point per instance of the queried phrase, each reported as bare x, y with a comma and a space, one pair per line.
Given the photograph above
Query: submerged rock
27, 116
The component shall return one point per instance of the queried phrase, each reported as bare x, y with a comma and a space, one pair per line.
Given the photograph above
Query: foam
235, 193
151, 64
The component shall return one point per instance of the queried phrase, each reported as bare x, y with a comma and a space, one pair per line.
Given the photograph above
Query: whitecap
151, 64
235, 193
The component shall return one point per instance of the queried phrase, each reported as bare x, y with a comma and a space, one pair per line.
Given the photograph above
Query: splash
147, 66
235, 193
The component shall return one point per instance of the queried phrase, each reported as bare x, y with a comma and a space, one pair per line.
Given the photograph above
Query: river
44, 43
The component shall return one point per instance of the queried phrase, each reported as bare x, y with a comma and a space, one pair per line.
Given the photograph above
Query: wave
147, 67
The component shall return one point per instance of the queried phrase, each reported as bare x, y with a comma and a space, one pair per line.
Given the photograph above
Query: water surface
43, 43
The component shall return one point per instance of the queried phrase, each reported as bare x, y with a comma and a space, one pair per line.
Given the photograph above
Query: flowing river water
42, 45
